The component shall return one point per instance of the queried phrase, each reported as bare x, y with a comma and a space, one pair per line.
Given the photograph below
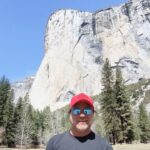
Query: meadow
132, 146
138, 146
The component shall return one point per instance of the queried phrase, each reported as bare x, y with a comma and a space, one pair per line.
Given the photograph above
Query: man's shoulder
59, 136
54, 140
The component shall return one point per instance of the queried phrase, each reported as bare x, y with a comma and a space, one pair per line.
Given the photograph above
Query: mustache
82, 120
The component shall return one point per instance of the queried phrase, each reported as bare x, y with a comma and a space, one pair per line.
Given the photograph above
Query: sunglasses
86, 111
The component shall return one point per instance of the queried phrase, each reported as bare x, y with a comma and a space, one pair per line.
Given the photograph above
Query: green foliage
17, 119
99, 125
37, 127
147, 97
135, 90
18, 111
123, 109
10, 127
60, 120
24, 125
108, 102
144, 124
46, 117
115, 106
46, 124
65, 119
136, 126
4, 100
7, 111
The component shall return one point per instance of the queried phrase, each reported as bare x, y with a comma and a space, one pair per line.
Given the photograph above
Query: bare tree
24, 127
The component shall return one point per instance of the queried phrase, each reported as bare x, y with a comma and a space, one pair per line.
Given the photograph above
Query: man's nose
82, 114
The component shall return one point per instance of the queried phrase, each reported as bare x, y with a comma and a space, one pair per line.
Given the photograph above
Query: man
80, 136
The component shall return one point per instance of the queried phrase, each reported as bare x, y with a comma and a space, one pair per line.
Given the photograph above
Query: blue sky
22, 29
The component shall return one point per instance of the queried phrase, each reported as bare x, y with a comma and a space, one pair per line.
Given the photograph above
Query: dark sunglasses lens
88, 111
76, 111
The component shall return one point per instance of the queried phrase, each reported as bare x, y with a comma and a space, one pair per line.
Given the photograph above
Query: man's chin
82, 127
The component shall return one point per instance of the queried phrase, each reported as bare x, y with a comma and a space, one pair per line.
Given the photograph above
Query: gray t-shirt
66, 141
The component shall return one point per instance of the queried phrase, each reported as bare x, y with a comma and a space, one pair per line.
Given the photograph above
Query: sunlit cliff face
77, 44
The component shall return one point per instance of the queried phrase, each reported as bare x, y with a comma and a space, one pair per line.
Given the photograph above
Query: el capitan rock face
77, 43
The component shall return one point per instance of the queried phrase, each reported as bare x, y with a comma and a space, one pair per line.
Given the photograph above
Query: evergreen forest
118, 117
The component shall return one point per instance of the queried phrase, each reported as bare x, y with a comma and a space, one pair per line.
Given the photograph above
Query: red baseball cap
81, 98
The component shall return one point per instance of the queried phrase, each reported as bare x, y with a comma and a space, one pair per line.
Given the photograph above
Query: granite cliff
77, 43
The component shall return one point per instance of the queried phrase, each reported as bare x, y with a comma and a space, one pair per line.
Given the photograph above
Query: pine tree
123, 109
136, 126
17, 118
144, 124
108, 102
25, 125
7, 111
37, 130
5, 90
47, 123
18, 110
10, 127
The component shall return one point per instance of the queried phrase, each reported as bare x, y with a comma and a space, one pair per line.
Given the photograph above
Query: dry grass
20, 149
4, 148
115, 147
132, 147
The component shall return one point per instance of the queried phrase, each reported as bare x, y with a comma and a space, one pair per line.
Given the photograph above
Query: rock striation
77, 44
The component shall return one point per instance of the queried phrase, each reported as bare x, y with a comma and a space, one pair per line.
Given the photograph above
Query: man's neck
79, 133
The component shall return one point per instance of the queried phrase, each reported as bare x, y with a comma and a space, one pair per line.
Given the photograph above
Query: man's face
81, 121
